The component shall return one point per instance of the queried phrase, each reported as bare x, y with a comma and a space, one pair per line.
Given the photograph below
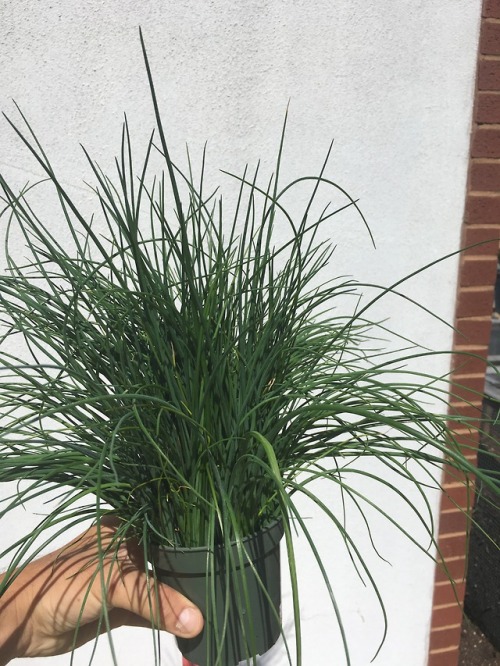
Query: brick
489, 41
485, 176
473, 331
488, 75
447, 657
478, 271
486, 142
471, 457
447, 616
484, 239
454, 478
444, 638
472, 410
467, 389
453, 545
482, 209
463, 498
488, 107
474, 302
455, 569
466, 438
491, 9
459, 490
457, 494
453, 522
446, 593
472, 361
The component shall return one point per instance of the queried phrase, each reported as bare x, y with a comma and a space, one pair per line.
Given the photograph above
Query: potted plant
193, 378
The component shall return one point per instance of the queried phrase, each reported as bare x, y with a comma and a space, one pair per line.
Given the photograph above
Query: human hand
60, 592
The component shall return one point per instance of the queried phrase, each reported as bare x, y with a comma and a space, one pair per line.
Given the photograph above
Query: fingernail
187, 620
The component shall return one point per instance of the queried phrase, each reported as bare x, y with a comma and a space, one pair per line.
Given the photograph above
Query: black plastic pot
241, 602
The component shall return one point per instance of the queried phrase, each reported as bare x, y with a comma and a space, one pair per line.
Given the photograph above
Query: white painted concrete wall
391, 81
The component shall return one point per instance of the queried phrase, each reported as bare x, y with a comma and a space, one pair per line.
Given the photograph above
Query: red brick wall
473, 319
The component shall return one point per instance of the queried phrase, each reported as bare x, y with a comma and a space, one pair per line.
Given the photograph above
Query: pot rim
274, 526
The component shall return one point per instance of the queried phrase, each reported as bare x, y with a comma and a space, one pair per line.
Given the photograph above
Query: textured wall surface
391, 82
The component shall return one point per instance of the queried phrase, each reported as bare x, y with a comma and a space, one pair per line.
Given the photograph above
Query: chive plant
192, 377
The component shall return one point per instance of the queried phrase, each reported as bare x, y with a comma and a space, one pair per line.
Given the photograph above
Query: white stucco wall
391, 81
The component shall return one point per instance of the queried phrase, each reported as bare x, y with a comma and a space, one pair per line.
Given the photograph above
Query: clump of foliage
189, 375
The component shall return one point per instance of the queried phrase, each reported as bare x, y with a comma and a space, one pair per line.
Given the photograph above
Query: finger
159, 604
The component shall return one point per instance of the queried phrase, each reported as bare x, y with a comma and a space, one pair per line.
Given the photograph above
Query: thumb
130, 589
174, 606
